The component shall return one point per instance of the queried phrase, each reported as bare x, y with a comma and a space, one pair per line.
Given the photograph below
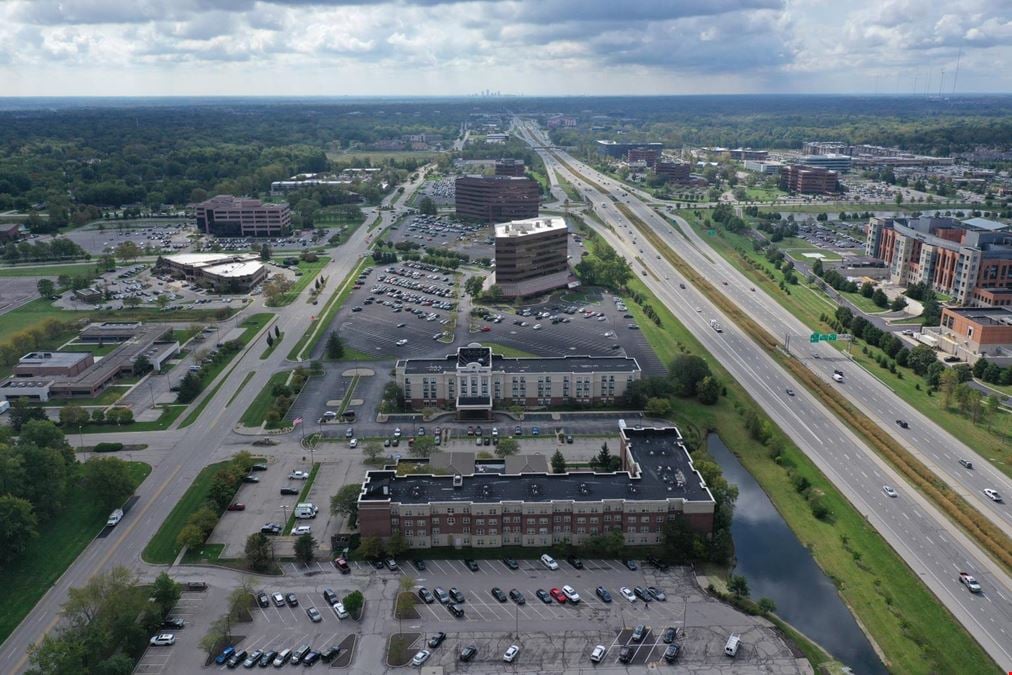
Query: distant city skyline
544, 47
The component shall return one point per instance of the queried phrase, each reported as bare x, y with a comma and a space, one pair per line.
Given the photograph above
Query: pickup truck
970, 583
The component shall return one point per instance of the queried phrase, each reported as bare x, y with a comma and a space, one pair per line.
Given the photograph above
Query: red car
342, 565
237, 507
486, 329
559, 596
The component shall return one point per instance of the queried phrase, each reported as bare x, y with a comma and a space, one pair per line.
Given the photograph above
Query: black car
426, 596
671, 653
631, 564
498, 594
639, 632
625, 656
249, 478
378, 565
669, 635
642, 594
258, 467
437, 639
511, 563
419, 565
517, 597
330, 596
271, 528
268, 658
468, 653
310, 658
471, 565
456, 595
543, 596
292, 600
455, 610
575, 562
176, 622
603, 593
903, 424
263, 600
658, 563
330, 654
237, 658
289, 491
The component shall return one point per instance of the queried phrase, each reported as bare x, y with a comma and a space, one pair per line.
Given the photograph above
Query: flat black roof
538, 364
665, 472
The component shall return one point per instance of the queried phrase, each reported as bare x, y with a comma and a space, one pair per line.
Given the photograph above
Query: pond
778, 567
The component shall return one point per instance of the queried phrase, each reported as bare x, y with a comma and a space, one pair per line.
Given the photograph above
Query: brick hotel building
489, 508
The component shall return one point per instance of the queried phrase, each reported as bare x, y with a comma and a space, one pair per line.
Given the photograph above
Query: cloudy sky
533, 47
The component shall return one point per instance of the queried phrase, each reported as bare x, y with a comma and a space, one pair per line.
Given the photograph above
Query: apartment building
802, 179
495, 199
228, 216
531, 256
970, 260
474, 380
490, 508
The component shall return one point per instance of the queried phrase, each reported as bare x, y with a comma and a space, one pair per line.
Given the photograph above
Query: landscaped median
994, 541
317, 328
272, 403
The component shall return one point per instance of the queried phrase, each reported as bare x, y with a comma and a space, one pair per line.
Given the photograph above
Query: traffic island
399, 648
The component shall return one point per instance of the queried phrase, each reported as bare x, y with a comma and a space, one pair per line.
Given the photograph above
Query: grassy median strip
277, 337
257, 411
993, 540
46, 557
242, 384
316, 329
163, 549
309, 271
303, 494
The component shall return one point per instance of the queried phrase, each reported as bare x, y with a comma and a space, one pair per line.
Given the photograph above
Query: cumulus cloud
457, 46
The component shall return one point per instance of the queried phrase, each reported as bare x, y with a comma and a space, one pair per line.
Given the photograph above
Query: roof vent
458, 480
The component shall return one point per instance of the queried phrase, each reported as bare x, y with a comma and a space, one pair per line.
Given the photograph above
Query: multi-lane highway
935, 549
206, 441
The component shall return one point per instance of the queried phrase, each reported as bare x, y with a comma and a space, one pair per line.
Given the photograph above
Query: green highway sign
822, 337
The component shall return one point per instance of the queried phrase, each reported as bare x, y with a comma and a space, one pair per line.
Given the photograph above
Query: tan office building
531, 256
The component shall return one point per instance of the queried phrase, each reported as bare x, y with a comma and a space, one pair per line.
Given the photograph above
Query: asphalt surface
208, 440
934, 548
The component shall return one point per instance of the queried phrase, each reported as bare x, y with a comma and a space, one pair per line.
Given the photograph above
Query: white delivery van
731, 648
4, 406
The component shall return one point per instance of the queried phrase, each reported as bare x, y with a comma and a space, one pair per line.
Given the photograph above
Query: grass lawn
916, 633
309, 271
182, 335
47, 270
168, 416
992, 441
254, 415
162, 549
315, 331
59, 543
32, 313
108, 396
506, 350
864, 304
764, 194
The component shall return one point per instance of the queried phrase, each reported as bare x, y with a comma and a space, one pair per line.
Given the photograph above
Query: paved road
934, 548
208, 440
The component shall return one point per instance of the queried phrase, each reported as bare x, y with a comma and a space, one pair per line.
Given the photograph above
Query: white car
597, 654
571, 594
549, 562
397, 432
889, 491
993, 495
353, 443
421, 657
339, 610
627, 594
970, 583
299, 475
511, 653
402, 342
163, 640
301, 530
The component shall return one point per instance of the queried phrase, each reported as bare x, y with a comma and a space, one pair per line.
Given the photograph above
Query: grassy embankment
163, 549
59, 543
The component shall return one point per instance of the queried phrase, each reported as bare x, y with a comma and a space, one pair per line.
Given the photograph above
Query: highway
933, 547
209, 439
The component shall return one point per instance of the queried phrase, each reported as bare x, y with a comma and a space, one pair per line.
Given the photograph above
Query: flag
297, 421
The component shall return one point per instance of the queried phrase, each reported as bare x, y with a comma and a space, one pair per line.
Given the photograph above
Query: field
309, 271
49, 270
48, 556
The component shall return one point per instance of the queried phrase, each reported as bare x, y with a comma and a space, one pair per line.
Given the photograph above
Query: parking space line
432, 611
438, 566
536, 610
474, 605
